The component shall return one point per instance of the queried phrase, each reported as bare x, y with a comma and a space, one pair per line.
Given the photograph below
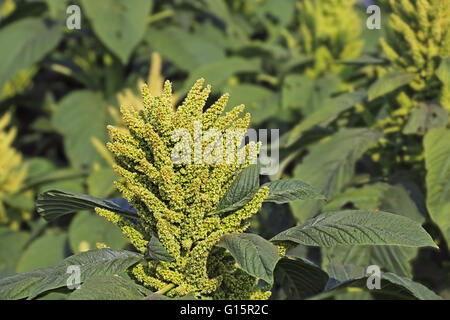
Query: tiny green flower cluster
418, 42
177, 202
330, 31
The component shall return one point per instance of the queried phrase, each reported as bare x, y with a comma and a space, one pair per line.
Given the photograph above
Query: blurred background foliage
363, 114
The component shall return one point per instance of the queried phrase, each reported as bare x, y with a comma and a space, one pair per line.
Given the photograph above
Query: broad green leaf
112, 287
101, 182
13, 12
57, 8
287, 190
55, 203
377, 196
44, 176
384, 197
351, 294
416, 289
11, 245
92, 263
24, 43
88, 229
282, 11
120, 24
330, 166
188, 51
255, 255
340, 272
216, 73
389, 82
437, 162
397, 200
156, 251
53, 296
306, 94
331, 109
21, 285
357, 227
81, 109
300, 278
259, 101
23, 201
392, 285
391, 258
74, 184
220, 9
241, 190
424, 117
45, 251
367, 197
295, 62
38, 167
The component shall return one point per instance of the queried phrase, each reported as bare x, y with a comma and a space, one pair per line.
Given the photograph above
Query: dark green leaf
287, 190
306, 94
81, 109
188, 51
392, 285
390, 258
330, 166
357, 227
101, 182
259, 101
120, 24
87, 229
112, 287
301, 278
156, 251
443, 72
92, 263
330, 110
389, 82
45, 251
55, 203
437, 162
24, 43
241, 190
255, 255
12, 243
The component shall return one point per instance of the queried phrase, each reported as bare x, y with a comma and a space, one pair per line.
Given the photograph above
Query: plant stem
165, 289
160, 16
161, 291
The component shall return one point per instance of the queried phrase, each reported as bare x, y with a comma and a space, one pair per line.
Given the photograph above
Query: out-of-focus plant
418, 47
329, 37
415, 82
330, 32
12, 175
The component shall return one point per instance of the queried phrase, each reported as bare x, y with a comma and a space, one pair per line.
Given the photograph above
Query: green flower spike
175, 201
